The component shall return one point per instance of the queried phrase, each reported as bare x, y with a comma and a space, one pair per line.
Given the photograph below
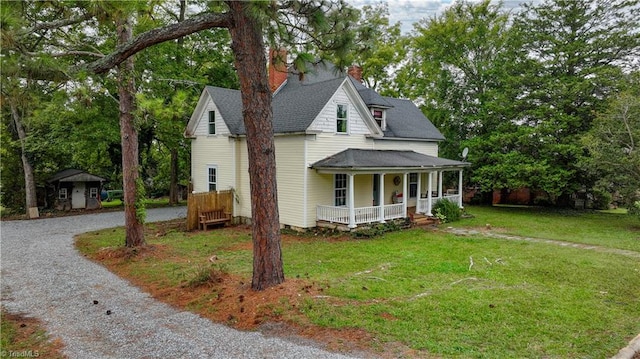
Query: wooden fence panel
207, 201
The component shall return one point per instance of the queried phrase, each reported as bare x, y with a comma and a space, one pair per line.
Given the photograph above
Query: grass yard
413, 293
603, 228
149, 203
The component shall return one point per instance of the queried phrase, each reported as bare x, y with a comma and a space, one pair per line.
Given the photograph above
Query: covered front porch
396, 181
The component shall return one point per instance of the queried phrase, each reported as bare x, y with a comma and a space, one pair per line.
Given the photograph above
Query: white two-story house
344, 154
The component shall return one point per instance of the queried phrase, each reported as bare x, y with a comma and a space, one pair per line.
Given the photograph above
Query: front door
376, 189
78, 196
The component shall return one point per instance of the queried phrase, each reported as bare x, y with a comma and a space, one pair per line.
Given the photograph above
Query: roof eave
411, 139
369, 170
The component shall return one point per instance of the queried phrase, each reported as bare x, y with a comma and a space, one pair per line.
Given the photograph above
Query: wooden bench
215, 216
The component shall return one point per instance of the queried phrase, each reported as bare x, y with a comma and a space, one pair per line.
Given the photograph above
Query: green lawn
149, 203
517, 300
615, 230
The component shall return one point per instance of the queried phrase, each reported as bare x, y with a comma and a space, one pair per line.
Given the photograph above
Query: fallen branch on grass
463, 280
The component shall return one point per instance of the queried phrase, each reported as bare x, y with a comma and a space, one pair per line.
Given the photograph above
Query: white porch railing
393, 211
335, 214
455, 198
367, 215
422, 205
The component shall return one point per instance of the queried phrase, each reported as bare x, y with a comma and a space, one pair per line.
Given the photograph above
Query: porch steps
419, 219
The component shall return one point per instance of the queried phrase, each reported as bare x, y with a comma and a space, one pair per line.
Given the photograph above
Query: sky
411, 11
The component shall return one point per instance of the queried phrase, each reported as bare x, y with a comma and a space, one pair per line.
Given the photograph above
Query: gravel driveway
45, 277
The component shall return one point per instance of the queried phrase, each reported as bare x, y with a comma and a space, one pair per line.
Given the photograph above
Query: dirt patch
28, 338
227, 298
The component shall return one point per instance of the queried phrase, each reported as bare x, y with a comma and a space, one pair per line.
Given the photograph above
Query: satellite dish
465, 152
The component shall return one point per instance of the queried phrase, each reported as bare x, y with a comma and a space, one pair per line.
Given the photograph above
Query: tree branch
56, 24
68, 53
156, 36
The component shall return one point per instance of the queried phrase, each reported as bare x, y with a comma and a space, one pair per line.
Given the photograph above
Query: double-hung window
413, 185
212, 178
342, 118
340, 191
212, 122
62, 193
93, 192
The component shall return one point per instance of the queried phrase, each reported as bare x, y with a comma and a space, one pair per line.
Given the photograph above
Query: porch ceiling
366, 160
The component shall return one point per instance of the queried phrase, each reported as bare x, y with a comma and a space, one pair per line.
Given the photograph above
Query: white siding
212, 151
326, 120
323, 145
243, 189
202, 128
290, 169
290, 176
426, 148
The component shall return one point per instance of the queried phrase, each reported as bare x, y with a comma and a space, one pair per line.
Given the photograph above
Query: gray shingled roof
74, 175
299, 102
369, 96
405, 120
363, 159
295, 106
229, 105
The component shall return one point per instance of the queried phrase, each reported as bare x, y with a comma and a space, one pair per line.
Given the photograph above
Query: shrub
634, 209
601, 199
447, 211
378, 229
206, 274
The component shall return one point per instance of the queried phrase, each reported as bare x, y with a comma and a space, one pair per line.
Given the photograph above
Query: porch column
405, 194
440, 175
429, 188
419, 194
460, 189
381, 196
351, 201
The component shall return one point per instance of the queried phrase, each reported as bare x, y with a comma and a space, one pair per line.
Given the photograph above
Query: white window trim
336, 188
93, 192
348, 127
63, 193
214, 167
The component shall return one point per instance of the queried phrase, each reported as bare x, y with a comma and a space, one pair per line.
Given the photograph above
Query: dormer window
379, 116
341, 119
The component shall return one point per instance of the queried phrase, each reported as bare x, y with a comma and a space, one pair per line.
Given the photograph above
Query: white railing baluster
335, 214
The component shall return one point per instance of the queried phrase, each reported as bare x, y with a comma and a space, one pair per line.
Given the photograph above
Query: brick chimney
355, 71
277, 68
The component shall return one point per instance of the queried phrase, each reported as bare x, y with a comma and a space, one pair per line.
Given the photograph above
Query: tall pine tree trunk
129, 139
173, 186
173, 175
31, 199
250, 62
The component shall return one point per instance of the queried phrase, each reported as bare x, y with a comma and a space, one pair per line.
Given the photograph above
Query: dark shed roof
75, 175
